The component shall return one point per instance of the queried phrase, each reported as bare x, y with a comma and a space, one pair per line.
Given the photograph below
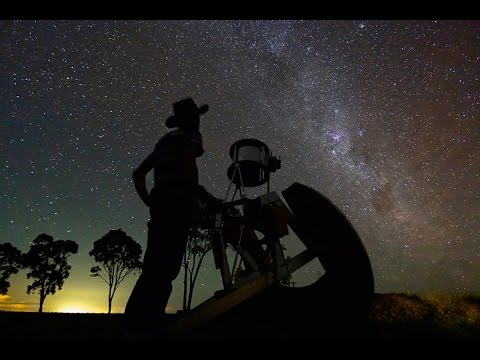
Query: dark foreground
393, 317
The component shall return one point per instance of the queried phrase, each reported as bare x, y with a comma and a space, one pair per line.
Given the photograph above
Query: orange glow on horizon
16, 307
5, 297
76, 308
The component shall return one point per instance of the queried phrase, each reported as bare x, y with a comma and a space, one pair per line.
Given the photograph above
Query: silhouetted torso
168, 172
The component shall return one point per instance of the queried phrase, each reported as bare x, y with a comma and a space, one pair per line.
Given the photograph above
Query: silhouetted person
173, 211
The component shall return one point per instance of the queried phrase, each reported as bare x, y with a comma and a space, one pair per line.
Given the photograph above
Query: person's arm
139, 175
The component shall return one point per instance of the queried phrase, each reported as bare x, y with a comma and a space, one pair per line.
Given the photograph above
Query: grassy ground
428, 315
393, 316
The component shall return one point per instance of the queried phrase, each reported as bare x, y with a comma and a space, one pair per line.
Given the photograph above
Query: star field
382, 117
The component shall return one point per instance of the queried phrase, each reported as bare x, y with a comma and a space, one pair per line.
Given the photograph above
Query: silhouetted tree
47, 261
118, 255
10, 262
198, 245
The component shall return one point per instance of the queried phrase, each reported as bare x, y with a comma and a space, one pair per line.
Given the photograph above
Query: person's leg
167, 237
141, 305
161, 265
169, 261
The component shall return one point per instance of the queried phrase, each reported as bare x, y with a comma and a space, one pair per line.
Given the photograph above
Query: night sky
382, 117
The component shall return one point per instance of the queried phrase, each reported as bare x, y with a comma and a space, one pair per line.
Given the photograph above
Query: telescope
254, 228
252, 164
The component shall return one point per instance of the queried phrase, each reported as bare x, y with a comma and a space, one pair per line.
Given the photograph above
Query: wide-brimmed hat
183, 109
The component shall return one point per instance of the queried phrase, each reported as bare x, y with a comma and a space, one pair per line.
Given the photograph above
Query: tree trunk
185, 277
42, 299
110, 297
193, 280
190, 295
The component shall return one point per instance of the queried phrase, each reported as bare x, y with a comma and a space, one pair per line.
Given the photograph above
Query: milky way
380, 116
